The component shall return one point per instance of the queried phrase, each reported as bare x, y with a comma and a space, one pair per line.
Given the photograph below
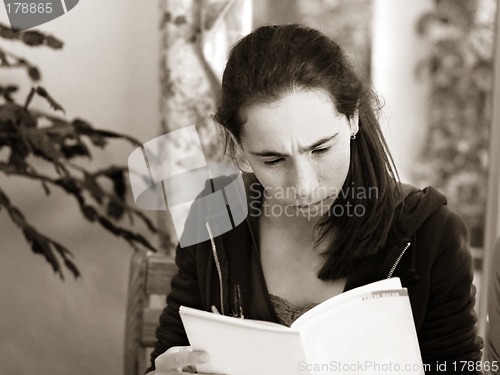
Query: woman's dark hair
280, 59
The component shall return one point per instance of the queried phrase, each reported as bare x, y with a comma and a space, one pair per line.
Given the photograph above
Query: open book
367, 330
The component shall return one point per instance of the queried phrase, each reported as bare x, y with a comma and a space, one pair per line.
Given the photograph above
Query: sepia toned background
122, 68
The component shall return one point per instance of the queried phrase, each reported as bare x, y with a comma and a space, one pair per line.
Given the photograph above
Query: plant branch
40, 244
74, 186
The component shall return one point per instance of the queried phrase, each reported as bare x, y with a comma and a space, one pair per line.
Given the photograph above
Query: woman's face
298, 148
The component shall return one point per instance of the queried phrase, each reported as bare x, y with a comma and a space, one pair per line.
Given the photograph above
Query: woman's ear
236, 150
241, 160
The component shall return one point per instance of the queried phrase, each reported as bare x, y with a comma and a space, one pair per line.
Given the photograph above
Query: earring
353, 136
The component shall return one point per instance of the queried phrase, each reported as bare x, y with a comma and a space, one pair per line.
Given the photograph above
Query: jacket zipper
238, 306
393, 268
219, 271
217, 265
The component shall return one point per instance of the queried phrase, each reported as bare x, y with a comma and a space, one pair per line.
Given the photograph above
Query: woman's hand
179, 360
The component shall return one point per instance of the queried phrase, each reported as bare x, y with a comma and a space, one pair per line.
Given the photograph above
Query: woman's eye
320, 151
272, 162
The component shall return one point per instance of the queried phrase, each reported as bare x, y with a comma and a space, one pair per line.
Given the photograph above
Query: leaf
97, 136
34, 73
108, 225
7, 32
44, 94
17, 159
81, 125
97, 140
11, 89
71, 151
33, 38
3, 59
53, 42
72, 267
117, 176
16, 115
69, 184
89, 212
7, 91
84, 128
91, 185
39, 243
43, 146
146, 220
45, 188
58, 128
126, 234
115, 210
142, 240
4, 200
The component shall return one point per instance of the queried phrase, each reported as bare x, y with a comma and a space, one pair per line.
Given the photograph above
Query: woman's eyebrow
318, 143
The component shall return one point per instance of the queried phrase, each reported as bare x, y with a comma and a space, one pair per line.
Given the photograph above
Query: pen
216, 311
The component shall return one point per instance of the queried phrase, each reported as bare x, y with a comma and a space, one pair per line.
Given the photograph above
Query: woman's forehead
305, 115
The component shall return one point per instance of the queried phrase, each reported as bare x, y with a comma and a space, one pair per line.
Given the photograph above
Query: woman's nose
304, 181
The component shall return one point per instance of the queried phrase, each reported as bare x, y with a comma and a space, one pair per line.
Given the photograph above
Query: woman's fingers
191, 370
179, 359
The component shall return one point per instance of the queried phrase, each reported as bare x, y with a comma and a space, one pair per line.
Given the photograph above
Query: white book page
386, 284
243, 347
372, 333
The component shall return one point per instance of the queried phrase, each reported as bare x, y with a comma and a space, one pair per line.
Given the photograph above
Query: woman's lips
315, 204
302, 206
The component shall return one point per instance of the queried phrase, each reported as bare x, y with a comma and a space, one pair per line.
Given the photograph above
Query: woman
300, 118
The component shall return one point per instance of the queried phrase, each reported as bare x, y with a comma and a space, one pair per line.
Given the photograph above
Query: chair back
149, 283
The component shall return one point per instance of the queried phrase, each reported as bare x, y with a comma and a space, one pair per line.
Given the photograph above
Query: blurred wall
396, 51
106, 73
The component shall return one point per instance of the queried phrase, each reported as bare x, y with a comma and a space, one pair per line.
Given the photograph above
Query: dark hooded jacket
427, 249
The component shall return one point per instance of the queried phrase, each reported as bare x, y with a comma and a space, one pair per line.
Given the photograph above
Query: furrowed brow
319, 142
